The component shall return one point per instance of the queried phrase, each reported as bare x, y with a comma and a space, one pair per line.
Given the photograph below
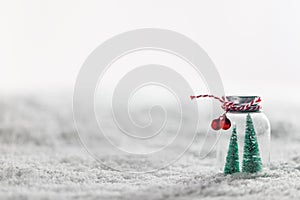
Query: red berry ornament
216, 124
221, 123
225, 122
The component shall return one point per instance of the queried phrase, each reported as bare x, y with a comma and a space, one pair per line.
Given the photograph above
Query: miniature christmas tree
251, 158
232, 158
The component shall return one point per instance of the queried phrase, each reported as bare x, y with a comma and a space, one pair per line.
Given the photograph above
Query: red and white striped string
230, 106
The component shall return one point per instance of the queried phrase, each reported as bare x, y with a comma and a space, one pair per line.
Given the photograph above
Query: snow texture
41, 158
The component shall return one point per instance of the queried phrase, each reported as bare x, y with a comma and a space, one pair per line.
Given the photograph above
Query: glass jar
249, 136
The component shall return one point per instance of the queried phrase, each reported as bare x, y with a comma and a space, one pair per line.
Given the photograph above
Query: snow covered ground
41, 158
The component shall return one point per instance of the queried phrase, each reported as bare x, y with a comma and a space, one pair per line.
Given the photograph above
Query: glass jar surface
250, 127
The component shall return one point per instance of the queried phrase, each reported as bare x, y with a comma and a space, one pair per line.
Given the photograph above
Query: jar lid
244, 101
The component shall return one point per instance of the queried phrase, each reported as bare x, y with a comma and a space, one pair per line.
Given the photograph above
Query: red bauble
216, 124
221, 123
226, 124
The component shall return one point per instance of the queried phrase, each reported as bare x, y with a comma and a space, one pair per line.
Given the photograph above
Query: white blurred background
254, 44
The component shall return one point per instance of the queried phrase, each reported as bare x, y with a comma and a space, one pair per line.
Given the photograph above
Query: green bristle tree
232, 158
251, 158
